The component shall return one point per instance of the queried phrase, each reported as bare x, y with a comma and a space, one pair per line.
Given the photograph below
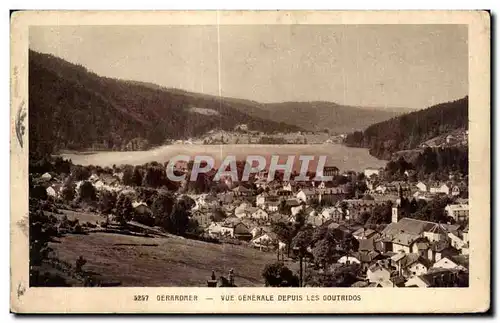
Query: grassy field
171, 261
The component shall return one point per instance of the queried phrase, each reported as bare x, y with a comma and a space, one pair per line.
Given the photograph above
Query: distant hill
312, 116
73, 108
409, 131
319, 115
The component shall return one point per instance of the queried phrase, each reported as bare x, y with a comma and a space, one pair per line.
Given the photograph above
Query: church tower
397, 208
396, 213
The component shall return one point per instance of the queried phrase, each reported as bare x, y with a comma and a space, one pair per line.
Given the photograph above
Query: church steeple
397, 208
396, 213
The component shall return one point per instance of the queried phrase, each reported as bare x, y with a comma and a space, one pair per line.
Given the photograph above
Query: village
404, 233
243, 134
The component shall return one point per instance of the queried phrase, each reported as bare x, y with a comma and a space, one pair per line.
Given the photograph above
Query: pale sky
412, 66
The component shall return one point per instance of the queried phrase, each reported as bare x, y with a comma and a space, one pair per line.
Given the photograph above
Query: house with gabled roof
440, 249
260, 200
261, 183
272, 206
421, 186
306, 194
94, 177
367, 257
315, 219
109, 180
436, 233
241, 190
54, 190
268, 240
46, 177
234, 228
367, 244
260, 214
410, 264
348, 260
287, 186
440, 188
297, 209
403, 242
459, 212
141, 207
459, 262
377, 273
242, 210
259, 230
457, 239
364, 233
332, 213
420, 246
439, 277
408, 225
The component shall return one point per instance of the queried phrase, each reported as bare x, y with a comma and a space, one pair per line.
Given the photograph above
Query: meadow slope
154, 262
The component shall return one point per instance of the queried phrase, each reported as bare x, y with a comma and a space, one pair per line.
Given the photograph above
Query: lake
345, 158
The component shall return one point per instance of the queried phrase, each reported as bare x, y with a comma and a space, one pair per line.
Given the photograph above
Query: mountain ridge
88, 111
85, 110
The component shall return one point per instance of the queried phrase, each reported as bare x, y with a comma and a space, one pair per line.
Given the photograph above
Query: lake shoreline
341, 156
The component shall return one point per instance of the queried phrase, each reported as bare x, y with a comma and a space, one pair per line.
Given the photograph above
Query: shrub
79, 264
90, 225
78, 229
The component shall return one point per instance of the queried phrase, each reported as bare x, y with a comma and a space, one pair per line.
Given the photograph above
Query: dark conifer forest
410, 130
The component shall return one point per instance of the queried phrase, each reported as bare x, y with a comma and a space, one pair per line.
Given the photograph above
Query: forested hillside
71, 107
410, 130
317, 116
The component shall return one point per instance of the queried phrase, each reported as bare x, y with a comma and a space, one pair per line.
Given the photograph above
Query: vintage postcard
250, 162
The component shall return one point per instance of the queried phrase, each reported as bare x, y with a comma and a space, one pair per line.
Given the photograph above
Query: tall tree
87, 192
68, 190
107, 201
136, 178
285, 233
162, 207
124, 209
179, 218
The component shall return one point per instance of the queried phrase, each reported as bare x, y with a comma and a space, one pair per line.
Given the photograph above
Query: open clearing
175, 261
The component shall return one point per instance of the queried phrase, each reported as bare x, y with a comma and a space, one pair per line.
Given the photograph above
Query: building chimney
213, 280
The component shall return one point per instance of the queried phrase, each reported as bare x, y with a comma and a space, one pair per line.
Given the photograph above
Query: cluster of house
407, 252
429, 190
413, 253
249, 217
337, 139
421, 190
298, 196
104, 181
456, 138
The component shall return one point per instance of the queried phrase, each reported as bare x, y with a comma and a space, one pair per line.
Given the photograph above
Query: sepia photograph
271, 155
